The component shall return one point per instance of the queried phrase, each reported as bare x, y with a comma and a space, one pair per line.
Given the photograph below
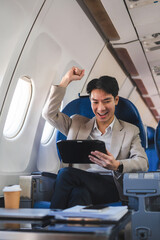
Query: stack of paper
110, 214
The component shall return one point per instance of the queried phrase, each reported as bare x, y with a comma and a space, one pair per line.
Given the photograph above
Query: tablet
95, 208
77, 151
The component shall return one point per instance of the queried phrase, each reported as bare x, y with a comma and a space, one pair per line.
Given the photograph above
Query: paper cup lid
12, 188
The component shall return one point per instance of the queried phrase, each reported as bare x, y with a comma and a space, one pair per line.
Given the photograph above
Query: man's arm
51, 111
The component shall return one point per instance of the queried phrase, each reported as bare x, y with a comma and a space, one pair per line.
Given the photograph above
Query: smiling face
103, 105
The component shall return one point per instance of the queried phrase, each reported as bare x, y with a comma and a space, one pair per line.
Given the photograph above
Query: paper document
111, 214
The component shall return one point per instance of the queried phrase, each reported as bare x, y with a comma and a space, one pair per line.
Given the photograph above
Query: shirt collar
110, 127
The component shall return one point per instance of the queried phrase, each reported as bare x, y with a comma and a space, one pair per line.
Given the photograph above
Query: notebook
111, 214
77, 151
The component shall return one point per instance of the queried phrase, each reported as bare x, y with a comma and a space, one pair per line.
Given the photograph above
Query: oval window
47, 133
18, 108
48, 130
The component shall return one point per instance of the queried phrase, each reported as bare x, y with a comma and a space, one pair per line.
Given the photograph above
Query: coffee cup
12, 196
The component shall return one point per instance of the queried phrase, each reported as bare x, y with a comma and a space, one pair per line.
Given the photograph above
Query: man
124, 152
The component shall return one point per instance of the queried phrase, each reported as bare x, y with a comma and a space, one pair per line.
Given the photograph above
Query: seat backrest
151, 150
81, 106
157, 140
125, 110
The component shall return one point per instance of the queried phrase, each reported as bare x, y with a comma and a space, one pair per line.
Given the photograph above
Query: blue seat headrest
81, 106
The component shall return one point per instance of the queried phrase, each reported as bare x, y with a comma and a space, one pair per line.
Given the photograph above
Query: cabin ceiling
132, 27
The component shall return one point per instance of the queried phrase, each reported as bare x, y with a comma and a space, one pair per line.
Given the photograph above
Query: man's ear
116, 100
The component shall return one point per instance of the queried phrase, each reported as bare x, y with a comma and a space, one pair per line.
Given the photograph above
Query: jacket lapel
117, 138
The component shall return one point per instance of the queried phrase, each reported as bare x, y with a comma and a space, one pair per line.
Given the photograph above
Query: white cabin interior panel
16, 20
105, 64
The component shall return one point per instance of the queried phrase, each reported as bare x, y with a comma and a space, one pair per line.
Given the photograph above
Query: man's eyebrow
108, 98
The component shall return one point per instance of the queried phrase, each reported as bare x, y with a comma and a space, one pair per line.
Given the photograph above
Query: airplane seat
125, 110
151, 150
157, 140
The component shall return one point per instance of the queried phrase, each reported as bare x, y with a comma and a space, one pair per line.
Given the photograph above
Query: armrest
45, 174
49, 175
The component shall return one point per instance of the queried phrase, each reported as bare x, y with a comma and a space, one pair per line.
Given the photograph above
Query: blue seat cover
151, 150
42, 204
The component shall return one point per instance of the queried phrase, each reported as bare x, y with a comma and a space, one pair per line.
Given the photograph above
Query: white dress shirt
106, 138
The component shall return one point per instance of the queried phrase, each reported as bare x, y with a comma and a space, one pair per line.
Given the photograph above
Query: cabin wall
16, 20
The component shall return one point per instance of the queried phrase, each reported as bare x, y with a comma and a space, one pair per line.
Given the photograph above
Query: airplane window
18, 108
48, 130
47, 133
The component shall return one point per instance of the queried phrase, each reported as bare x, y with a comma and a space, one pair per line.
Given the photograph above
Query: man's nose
101, 107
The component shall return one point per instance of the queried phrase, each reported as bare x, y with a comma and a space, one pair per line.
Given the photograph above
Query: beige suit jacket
125, 144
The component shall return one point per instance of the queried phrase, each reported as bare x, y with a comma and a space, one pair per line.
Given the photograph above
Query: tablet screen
77, 151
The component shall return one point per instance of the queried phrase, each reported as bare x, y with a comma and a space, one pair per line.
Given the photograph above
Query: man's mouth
102, 114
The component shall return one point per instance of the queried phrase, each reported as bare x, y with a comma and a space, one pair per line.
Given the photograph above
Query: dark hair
106, 83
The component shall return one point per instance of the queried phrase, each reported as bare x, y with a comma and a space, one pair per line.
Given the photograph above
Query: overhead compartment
120, 18
129, 27
138, 49
145, 16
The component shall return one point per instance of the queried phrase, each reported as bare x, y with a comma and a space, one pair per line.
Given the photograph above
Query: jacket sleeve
51, 112
137, 159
